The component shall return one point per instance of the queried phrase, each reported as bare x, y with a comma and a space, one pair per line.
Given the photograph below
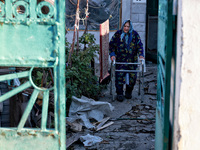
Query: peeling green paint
33, 39
165, 38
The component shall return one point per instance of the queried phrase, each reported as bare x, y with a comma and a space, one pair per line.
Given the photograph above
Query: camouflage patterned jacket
126, 53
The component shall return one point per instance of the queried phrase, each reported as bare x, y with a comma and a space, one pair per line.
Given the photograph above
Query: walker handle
143, 63
113, 62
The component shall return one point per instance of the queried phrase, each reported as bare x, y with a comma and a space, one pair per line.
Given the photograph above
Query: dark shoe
120, 98
128, 95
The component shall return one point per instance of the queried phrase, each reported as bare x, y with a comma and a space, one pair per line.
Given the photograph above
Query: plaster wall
176, 128
188, 75
126, 9
138, 17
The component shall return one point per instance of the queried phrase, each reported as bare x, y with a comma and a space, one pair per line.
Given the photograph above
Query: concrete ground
134, 119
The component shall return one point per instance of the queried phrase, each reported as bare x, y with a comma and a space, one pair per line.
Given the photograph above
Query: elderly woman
125, 46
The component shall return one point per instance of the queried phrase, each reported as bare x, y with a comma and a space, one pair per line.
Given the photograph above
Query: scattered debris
72, 139
146, 89
105, 142
106, 125
75, 126
102, 122
151, 93
90, 140
84, 109
146, 119
147, 74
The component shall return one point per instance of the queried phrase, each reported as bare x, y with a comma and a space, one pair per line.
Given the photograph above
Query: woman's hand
113, 58
141, 57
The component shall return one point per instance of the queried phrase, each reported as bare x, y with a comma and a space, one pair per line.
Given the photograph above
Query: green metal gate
30, 37
166, 46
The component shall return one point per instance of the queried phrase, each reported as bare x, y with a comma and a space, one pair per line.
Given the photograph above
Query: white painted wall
69, 35
187, 97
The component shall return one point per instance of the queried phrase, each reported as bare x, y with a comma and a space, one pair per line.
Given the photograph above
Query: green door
33, 38
165, 49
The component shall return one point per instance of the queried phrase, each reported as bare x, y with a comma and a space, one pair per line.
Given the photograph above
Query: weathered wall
126, 9
135, 10
138, 17
188, 76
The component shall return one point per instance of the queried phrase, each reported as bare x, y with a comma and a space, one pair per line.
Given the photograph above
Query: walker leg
142, 95
139, 83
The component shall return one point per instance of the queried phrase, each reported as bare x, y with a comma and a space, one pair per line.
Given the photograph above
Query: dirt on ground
133, 120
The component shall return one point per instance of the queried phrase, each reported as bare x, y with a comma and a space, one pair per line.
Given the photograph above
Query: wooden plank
105, 126
102, 122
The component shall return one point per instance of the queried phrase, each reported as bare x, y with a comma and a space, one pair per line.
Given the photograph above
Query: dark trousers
119, 89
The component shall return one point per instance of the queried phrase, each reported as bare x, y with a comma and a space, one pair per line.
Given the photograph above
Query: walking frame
140, 69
